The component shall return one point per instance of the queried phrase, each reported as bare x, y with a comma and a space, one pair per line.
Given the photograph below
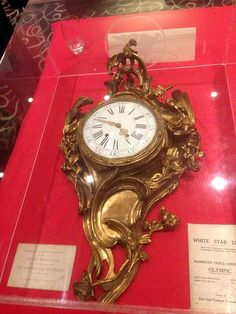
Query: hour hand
117, 125
124, 132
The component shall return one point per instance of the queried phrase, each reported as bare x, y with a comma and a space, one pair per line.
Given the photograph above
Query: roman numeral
97, 126
115, 145
139, 117
121, 109
136, 135
110, 111
89, 139
127, 141
105, 140
132, 111
98, 134
141, 126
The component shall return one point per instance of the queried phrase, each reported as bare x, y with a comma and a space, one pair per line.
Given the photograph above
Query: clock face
119, 129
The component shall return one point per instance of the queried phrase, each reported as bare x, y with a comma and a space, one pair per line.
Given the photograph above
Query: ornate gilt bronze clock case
124, 156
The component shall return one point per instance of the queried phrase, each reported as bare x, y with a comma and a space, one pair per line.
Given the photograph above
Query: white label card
212, 265
42, 266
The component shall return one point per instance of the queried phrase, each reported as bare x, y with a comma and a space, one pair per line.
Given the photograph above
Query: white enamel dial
119, 129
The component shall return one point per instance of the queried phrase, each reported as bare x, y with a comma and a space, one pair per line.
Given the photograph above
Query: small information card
42, 266
212, 265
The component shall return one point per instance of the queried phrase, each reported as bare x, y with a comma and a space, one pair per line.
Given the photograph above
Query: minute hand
117, 125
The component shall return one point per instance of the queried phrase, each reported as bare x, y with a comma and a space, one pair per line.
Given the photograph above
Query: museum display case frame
37, 203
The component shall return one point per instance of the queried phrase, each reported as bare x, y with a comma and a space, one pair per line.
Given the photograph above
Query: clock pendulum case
123, 156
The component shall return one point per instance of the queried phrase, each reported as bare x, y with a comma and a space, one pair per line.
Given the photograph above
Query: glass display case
41, 78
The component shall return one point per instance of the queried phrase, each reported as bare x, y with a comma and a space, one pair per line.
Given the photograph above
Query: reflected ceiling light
106, 97
214, 94
219, 183
1, 175
30, 99
89, 179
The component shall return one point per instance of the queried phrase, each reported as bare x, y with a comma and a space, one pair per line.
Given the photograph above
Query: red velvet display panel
14, 186
230, 48
49, 211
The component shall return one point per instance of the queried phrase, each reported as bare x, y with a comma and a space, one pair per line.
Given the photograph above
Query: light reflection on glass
214, 94
30, 99
63, 297
106, 97
219, 183
89, 179
1, 175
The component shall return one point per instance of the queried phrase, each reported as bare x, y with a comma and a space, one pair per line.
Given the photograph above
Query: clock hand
124, 132
117, 125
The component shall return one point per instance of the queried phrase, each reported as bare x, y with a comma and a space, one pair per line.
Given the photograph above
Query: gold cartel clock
123, 156
121, 130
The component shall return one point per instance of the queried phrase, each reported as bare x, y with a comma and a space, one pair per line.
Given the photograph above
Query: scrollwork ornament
116, 194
